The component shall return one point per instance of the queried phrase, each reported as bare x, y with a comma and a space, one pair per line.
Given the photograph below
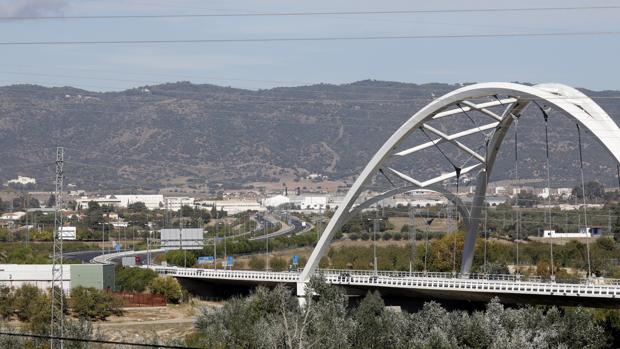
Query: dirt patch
165, 323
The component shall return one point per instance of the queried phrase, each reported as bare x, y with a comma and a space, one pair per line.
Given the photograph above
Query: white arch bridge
500, 105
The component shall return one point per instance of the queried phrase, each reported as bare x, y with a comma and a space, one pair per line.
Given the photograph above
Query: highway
297, 227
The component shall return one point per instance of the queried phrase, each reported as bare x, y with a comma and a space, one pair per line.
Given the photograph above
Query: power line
307, 39
100, 341
319, 13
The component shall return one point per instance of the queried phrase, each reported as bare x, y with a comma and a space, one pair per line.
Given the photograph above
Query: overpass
473, 287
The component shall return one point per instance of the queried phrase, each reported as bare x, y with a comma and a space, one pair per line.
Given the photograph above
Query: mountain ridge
154, 134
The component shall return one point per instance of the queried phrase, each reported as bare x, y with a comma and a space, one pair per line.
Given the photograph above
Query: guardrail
107, 258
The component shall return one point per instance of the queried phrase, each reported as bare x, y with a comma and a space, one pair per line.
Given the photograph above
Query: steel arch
568, 100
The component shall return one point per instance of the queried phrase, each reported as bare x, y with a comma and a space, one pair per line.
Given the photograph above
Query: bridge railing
471, 276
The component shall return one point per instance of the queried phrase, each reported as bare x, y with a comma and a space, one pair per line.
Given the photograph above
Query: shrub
397, 236
257, 263
278, 264
28, 301
134, 279
93, 304
365, 236
6, 302
354, 236
386, 236
168, 287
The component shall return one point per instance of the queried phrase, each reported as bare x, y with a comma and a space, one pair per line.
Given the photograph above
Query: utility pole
57, 298
412, 233
181, 234
609, 222
225, 247
375, 228
102, 238
215, 248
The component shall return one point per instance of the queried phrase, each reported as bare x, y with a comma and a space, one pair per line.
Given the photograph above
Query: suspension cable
484, 202
387, 178
456, 168
585, 203
548, 168
428, 224
454, 231
518, 211
412, 236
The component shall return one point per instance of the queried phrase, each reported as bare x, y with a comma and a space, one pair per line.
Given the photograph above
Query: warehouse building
100, 276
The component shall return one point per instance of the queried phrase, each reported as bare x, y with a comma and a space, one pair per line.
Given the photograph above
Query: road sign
117, 248
229, 262
184, 239
205, 260
295, 260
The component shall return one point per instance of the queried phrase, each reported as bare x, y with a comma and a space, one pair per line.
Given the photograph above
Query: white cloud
32, 8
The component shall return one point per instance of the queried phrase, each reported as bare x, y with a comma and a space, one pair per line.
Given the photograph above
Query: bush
28, 301
386, 236
397, 236
365, 236
278, 264
134, 279
257, 263
93, 304
33, 306
354, 236
168, 287
6, 302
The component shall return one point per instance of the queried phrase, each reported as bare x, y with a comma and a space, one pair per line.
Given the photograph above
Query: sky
580, 61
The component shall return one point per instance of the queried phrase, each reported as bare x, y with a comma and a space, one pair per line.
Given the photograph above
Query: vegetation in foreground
273, 319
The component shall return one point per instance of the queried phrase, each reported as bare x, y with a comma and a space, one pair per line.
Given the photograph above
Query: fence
141, 299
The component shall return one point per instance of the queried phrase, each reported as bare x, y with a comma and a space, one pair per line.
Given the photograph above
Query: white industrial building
100, 276
231, 206
81, 203
174, 203
583, 233
313, 202
276, 201
151, 201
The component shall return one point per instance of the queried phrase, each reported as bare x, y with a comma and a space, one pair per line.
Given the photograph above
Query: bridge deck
496, 284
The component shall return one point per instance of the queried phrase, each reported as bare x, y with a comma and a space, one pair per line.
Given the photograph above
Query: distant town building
500, 190
495, 200
583, 233
12, 216
23, 180
316, 177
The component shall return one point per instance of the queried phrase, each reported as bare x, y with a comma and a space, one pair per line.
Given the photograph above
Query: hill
181, 132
